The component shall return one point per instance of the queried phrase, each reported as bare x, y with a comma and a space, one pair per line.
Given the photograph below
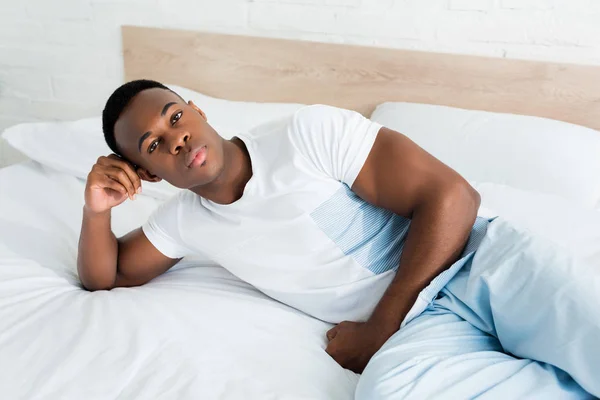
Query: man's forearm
98, 251
438, 233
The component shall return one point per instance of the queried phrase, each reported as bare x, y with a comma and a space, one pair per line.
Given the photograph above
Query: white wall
61, 59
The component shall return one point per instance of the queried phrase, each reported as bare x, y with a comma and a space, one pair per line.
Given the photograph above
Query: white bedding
196, 332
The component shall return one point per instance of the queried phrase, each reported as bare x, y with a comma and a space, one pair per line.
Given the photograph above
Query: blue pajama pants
520, 319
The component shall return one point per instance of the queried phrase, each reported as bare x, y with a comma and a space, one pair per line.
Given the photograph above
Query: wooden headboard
276, 70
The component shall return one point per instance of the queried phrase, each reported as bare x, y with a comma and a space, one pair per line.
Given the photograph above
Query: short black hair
117, 102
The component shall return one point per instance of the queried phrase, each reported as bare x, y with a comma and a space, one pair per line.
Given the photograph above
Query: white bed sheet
194, 332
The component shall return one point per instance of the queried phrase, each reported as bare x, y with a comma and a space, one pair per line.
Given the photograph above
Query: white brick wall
61, 59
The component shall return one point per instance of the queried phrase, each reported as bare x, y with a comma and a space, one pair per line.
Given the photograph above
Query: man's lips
195, 157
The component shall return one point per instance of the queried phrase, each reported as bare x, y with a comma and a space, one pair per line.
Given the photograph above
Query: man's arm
103, 261
401, 177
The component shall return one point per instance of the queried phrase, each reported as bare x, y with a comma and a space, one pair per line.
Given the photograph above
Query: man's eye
176, 117
153, 146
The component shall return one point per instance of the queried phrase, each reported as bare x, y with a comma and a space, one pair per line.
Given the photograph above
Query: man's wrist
384, 325
87, 212
391, 311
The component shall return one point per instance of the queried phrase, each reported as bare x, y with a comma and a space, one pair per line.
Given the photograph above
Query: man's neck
229, 186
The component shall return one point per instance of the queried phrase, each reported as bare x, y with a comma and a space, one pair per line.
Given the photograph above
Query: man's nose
178, 142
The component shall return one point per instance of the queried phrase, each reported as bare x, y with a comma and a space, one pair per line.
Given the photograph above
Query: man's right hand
110, 182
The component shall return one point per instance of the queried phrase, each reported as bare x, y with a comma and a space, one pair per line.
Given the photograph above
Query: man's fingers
134, 178
113, 156
332, 332
114, 185
121, 176
330, 349
117, 162
334, 352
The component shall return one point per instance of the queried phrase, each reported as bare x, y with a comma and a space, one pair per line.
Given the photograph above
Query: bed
197, 331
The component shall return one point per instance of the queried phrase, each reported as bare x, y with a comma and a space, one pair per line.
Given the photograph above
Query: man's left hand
352, 344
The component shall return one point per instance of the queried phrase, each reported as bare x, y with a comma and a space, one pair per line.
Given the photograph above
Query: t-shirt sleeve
335, 140
163, 228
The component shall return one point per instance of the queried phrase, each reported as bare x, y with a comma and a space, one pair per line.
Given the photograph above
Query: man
354, 224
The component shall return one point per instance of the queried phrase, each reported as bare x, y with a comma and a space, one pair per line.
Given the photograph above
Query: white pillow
550, 216
74, 146
531, 153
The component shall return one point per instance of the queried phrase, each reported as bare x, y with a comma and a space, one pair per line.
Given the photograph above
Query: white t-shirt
298, 233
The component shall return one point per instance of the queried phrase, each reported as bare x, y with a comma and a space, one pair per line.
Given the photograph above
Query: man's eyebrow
144, 137
166, 107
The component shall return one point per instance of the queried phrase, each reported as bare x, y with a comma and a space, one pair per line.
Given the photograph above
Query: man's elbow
94, 287
472, 196
93, 284
462, 197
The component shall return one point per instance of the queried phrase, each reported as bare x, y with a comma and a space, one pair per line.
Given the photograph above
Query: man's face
169, 138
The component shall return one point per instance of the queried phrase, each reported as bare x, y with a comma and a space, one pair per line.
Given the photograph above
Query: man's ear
195, 107
147, 176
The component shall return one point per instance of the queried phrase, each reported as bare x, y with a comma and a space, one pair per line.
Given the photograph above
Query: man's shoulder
320, 122
305, 130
